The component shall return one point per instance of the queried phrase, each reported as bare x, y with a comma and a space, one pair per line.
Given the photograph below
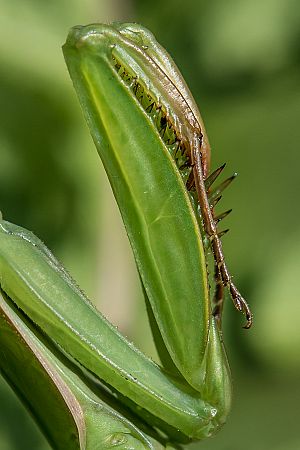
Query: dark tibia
218, 297
210, 228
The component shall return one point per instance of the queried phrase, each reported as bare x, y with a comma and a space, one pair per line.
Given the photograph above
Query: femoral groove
161, 121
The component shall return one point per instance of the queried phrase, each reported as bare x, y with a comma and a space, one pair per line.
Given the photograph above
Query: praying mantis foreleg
151, 139
222, 275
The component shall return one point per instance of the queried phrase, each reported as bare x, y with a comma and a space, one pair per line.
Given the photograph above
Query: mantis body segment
152, 142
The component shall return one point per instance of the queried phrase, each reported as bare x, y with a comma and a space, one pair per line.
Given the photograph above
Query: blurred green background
241, 60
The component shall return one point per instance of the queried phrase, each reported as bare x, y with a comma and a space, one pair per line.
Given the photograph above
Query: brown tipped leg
222, 275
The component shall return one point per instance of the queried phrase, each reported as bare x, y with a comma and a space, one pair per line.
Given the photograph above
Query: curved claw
244, 308
241, 305
248, 314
